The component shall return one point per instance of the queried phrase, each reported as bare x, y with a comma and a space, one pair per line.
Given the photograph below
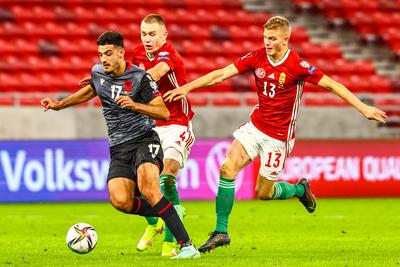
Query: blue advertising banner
46, 171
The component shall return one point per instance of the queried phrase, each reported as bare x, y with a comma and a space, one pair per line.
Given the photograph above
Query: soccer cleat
189, 252
149, 234
308, 199
216, 239
168, 249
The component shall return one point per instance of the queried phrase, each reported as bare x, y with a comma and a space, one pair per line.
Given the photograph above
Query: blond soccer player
279, 74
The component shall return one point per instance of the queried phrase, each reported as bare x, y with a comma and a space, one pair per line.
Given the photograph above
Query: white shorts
176, 141
272, 152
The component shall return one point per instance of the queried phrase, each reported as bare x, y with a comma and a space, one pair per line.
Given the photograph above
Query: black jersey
124, 124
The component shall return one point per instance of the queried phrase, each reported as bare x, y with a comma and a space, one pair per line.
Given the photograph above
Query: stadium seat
199, 102
226, 102
6, 15
64, 14
251, 101
7, 101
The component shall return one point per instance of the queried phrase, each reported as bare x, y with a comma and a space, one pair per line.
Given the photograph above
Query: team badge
260, 73
282, 79
142, 67
305, 64
164, 55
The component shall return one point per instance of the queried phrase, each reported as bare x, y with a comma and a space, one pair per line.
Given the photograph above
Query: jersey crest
282, 79
260, 73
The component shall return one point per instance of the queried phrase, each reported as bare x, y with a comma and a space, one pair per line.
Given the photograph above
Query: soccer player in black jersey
131, 100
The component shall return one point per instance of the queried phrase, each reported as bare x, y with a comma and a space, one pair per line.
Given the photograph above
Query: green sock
284, 190
224, 203
168, 188
150, 220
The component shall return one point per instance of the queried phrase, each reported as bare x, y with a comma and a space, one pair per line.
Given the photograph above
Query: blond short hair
278, 22
154, 18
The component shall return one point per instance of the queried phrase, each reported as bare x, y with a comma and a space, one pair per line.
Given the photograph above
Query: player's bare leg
120, 191
236, 159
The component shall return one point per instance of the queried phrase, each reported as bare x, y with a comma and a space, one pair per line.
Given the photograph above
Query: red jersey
279, 89
180, 111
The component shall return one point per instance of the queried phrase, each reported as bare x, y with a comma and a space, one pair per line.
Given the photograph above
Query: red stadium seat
226, 102
179, 33
7, 101
324, 102
199, 102
252, 101
199, 33
30, 101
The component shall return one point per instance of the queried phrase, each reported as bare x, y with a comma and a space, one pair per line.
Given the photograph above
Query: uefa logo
214, 161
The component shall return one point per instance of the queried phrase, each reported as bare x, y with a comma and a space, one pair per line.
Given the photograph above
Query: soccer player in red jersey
280, 75
159, 58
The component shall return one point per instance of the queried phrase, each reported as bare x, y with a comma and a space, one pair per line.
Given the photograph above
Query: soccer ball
81, 238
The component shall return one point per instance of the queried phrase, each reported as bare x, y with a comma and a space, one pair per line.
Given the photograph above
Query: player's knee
121, 202
228, 170
172, 165
152, 195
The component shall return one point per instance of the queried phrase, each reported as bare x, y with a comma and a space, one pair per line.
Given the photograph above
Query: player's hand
126, 102
373, 113
85, 81
175, 94
49, 103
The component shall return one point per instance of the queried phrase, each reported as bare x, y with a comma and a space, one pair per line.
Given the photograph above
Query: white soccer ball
81, 238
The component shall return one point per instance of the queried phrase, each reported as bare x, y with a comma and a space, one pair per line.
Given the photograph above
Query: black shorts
128, 156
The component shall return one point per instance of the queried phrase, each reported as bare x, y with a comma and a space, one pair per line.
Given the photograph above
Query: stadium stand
48, 46
46, 32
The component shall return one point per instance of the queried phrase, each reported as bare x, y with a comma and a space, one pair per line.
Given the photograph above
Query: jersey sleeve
92, 76
309, 73
168, 57
148, 89
246, 62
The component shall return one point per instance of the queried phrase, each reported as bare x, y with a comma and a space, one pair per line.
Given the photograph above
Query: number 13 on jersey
269, 89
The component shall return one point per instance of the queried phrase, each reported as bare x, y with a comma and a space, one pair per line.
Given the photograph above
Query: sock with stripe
151, 220
168, 188
167, 212
142, 207
284, 190
224, 203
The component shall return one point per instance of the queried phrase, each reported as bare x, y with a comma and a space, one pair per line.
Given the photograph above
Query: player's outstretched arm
155, 109
340, 90
207, 80
82, 95
158, 71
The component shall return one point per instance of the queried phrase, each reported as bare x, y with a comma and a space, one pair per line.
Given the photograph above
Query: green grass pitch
342, 232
